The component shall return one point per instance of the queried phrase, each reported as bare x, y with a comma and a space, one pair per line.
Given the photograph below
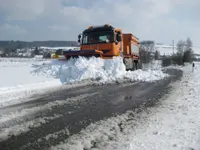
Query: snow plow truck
107, 42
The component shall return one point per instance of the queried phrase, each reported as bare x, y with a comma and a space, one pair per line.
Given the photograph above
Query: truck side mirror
79, 38
119, 37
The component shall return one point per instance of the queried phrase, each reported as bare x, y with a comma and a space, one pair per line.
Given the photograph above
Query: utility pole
173, 45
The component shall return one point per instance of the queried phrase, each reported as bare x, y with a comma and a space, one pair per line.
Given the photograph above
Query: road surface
73, 109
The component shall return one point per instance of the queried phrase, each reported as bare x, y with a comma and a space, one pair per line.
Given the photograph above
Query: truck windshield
98, 37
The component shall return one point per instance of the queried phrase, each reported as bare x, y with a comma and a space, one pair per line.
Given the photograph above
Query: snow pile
172, 124
96, 69
49, 69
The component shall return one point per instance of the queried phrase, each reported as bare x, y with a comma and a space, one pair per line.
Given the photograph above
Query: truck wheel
135, 64
133, 67
139, 65
126, 64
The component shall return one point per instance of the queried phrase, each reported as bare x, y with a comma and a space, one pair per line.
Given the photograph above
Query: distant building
168, 50
164, 49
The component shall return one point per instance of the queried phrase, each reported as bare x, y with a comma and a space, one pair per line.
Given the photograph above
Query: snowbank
172, 124
96, 69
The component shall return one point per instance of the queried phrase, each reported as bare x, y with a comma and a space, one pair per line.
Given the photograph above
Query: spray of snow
172, 124
96, 69
153, 65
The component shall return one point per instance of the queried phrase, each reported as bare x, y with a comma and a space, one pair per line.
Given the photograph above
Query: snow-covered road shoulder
172, 124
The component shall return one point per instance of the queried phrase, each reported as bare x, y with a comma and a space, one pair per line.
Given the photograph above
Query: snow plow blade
84, 53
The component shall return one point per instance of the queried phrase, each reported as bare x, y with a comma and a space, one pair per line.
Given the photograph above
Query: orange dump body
130, 46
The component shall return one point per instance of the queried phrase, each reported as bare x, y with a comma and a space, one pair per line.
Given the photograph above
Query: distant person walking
193, 65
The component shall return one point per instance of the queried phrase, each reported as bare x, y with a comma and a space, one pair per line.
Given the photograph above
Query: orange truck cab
107, 42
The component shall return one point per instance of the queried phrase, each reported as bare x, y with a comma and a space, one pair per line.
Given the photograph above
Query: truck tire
129, 64
139, 65
135, 64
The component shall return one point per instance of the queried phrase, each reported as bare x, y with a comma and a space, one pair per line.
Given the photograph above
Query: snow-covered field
21, 78
56, 48
18, 82
173, 124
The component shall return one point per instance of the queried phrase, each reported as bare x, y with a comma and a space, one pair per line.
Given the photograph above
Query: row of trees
184, 54
27, 44
184, 48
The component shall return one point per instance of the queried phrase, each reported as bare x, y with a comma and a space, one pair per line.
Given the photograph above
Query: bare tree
188, 53
157, 55
36, 51
147, 48
180, 46
188, 44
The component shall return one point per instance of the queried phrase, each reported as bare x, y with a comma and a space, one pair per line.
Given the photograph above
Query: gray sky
159, 20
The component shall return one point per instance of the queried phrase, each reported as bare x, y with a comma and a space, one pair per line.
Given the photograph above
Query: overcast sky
159, 20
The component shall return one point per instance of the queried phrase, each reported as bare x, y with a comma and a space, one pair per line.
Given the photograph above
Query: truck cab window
98, 37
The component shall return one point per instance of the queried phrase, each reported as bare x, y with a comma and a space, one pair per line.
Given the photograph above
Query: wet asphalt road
86, 104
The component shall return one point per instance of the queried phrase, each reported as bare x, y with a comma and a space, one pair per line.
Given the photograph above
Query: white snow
18, 129
65, 48
16, 72
173, 124
153, 65
165, 49
96, 69
55, 135
17, 81
22, 78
